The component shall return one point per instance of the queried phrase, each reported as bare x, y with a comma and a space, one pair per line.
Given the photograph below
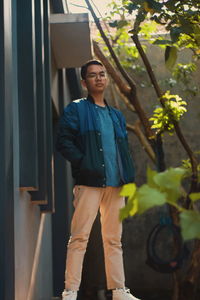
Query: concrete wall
33, 251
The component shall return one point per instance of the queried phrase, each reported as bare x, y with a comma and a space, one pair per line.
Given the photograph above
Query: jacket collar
91, 99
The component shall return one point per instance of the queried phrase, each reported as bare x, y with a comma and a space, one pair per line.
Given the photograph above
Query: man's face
96, 79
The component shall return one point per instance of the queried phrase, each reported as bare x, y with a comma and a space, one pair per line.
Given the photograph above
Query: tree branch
144, 142
125, 90
125, 100
147, 65
123, 87
177, 128
155, 141
107, 42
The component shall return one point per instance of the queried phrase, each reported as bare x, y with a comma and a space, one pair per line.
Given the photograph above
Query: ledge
70, 38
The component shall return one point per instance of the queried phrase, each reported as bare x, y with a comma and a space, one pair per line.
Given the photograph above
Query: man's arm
67, 134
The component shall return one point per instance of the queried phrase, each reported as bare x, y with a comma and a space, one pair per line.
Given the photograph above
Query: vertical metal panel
61, 219
6, 155
63, 195
40, 196
49, 117
74, 83
27, 95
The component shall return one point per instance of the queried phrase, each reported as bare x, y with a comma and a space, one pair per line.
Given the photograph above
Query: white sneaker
123, 294
69, 295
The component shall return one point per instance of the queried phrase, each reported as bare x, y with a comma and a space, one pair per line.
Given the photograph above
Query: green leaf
140, 17
170, 4
175, 33
196, 29
170, 182
156, 6
122, 23
113, 24
162, 42
170, 179
170, 57
194, 196
158, 19
147, 29
150, 177
130, 209
149, 197
190, 224
128, 190
161, 120
131, 7
174, 106
134, 208
186, 25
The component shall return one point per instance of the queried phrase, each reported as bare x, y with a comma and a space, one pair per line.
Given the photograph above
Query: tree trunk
189, 286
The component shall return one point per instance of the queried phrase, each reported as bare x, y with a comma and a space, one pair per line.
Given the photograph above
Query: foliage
173, 110
189, 221
183, 75
120, 23
183, 72
151, 18
127, 52
161, 188
170, 57
180, 19
186, 164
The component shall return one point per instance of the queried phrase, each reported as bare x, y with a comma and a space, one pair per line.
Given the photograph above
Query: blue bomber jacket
79, 141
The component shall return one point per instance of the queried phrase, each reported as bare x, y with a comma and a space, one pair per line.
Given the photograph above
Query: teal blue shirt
109, 147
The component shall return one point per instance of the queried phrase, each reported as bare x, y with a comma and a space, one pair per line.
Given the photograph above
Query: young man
92, 136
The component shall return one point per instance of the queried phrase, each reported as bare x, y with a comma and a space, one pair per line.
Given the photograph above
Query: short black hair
87, 64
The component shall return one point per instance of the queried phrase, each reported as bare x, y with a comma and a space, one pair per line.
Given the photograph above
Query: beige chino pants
87, 201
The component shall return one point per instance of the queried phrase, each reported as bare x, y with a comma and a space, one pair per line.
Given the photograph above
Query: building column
6, 154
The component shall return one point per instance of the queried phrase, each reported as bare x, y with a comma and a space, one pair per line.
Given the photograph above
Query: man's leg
86, 202
111, 235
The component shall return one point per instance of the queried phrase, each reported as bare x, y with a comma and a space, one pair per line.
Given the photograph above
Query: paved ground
101, 296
